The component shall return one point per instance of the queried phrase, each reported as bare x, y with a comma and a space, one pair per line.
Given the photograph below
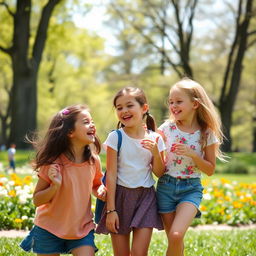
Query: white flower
3, 180
207, 196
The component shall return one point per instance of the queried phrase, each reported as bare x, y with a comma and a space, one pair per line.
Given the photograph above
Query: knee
175, 236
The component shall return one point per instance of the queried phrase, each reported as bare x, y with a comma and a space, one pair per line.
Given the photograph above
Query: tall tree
25, 65
234, 67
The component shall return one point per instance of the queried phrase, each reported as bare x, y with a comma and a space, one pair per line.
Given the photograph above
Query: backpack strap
119, 141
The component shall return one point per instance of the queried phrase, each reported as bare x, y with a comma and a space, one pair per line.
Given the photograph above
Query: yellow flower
224, 181
12, 193
217, 193
27, 180
237, 204
18, 220
203, 208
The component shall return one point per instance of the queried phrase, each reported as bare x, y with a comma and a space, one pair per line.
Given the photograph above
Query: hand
55, 175
182, 149
112, 222
102, 192
151, 145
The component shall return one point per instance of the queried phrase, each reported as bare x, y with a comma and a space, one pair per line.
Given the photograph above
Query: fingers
148, 144
102, 192
54, 174
112, 222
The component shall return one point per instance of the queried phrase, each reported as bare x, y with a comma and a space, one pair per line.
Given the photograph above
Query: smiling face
84, 130
181, 106
129, 112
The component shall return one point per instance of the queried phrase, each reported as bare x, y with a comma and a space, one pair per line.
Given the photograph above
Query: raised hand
182, 149
55, 175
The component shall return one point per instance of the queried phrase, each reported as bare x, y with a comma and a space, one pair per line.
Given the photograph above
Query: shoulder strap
119, 142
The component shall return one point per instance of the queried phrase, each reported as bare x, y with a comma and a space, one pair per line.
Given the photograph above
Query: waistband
170, 178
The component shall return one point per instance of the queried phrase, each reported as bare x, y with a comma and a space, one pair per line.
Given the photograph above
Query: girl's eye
179, 101
130, 106
119, 109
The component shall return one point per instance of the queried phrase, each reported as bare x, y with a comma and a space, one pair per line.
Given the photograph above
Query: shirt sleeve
43, 173
97, 181
111, 141
211, 138
160, 143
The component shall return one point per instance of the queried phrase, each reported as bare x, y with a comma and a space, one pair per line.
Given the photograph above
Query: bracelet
109, 211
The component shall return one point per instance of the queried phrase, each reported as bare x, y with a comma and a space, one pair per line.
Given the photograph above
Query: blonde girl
192, 137
69, 171
131, 201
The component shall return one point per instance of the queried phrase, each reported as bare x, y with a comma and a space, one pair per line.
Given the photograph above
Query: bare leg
121, 244
184, 216
140, 241
83, 251
167, 221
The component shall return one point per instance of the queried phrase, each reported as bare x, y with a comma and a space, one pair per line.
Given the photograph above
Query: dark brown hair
140, 97
56, 140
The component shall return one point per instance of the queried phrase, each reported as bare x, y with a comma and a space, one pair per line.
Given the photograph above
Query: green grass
201, 243
22, 157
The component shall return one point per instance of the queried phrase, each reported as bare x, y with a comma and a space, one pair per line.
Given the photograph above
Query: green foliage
242, 163
201, 243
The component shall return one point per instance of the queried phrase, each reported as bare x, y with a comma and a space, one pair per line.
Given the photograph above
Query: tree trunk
24, 106
234, 71
25, 65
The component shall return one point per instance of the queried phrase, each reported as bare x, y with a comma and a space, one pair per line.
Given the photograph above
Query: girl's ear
145, 108
70, 134
196, 104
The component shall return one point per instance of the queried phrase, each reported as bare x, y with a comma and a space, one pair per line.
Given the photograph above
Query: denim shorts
41, 241
171, 192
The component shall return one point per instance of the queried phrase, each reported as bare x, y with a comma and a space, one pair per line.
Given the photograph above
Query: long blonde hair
207, 116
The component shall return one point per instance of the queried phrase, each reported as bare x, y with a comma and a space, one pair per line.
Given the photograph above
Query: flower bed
224, 202
16, 206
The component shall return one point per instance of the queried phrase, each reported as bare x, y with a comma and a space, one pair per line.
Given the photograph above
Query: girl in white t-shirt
192, 136
131, 200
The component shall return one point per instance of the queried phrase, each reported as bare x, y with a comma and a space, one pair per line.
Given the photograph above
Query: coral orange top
68, 215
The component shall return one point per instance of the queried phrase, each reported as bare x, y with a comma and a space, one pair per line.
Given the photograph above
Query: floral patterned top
179, 166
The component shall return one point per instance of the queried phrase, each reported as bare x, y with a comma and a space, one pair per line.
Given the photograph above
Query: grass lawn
200, 243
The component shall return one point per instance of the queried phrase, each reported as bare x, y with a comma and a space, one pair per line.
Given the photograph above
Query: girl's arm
158, 166
98, 189
44, 192
206, 164
112, 221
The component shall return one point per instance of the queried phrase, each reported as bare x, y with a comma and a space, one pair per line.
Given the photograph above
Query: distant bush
234, 166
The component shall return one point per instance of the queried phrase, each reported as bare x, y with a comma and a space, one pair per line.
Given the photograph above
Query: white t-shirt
134, 161
11, 153
182, 166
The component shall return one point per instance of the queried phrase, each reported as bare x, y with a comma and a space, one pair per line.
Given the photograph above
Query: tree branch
251, 43
41, 34
7, 8
6, 50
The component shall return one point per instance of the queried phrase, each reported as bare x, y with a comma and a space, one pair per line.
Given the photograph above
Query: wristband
109, 211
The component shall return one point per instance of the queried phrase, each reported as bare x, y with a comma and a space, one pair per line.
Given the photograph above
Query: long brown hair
140, 97
207, 116
56, 140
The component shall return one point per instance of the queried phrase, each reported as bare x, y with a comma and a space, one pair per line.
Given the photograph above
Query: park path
22, 233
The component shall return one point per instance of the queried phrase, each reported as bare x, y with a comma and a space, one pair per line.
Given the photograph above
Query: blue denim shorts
171, 192
41, 241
